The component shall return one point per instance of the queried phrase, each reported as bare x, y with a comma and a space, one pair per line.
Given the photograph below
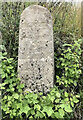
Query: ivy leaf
78, 96
44, 97
71, 99
51, 98
25, 109
68, 108
19, 105
35, 96
3, 88
40, 93
48, 110
22, 86
61, 111
62, 105
66, 99
58, 94
75, 100
32, 112
16, 96
12, 74
57, 115
39, 114
10, 67
72, 104
3, 75
66, 94
31, 117
37, 107
57, 100
75, 83
8, 70
35, 101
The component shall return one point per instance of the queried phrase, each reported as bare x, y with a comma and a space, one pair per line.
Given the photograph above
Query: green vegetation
64, 102
60, 103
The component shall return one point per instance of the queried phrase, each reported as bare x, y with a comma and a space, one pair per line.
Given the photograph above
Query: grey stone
36, 49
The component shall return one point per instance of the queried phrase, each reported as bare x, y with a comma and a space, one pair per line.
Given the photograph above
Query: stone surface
36, 49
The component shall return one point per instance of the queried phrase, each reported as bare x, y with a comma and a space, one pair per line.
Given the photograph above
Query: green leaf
75, 83
69, 45
3, 88
57, 100
57, 115
5, 53
20, 90
35, 101
66, 99
39, 114
10, 67
9, 98
48, 110
44, 97
3, 84
61, 111
22, 86
72, 104
16, 96
78, 96
75, 100
12, 74
12, 89
68, 108
37, 107
71, 99
8, 70
5, 97
19, 105
62, 105
3, 75
40, 93
32, 112
31, 117
58, 94
52, 98
66, 94
35, 96
26, 109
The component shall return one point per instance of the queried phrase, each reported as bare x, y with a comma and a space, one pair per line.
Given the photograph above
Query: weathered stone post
36, 49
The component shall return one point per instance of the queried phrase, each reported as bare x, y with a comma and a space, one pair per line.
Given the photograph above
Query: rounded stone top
36, 12
35, 8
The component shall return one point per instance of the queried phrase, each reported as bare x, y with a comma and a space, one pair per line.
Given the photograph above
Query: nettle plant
58, 104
